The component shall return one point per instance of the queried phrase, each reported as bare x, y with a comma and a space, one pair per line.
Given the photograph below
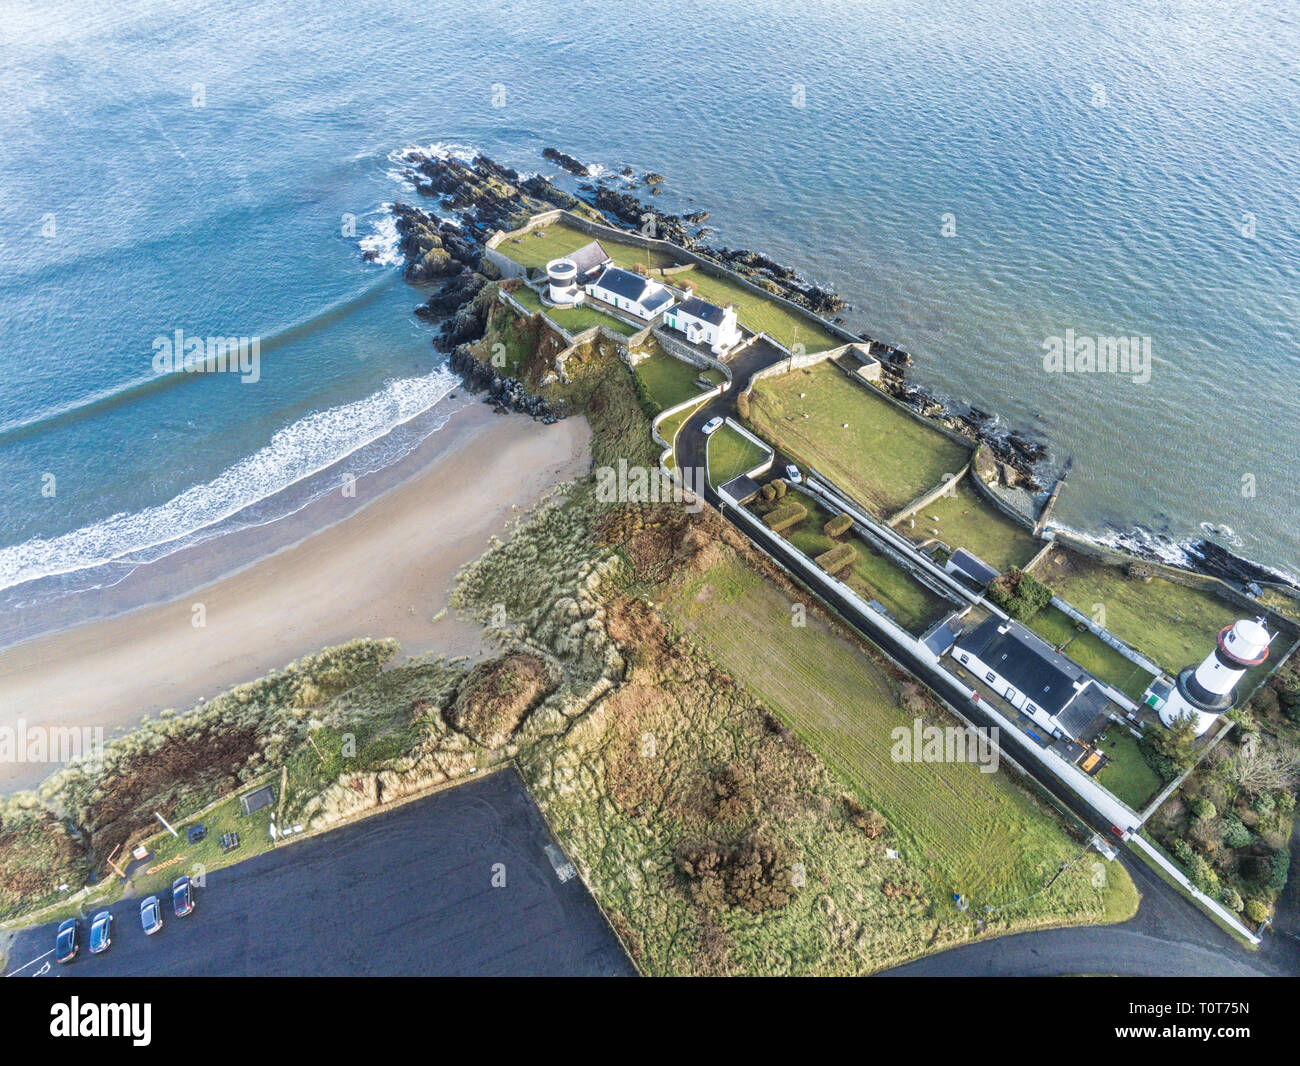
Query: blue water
835, 136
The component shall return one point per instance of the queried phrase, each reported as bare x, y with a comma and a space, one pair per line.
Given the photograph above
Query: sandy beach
377, 565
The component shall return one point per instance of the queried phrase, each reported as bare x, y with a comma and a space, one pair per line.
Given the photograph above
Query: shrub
754, 874
1182, 851
1231, 899
1204, 878
1019, 594
742, 405
1204, 809
780, 487
785, 515
837, 558
768, 493
1256, 910
838, 525
1235, 834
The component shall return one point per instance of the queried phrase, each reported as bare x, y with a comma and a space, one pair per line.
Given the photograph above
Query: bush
754, 874
1019, 594
1231, 899
768, 493
780, 487
785, 515
837, 558
1256, 910
1204, 809
1235, 834
742, 405
1204, 878
838, 525
1182, 851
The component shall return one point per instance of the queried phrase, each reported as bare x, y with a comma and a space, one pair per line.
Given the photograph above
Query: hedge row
837, 558
786, 515
841, 523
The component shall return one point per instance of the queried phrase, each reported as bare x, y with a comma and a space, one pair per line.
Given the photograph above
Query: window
990, 677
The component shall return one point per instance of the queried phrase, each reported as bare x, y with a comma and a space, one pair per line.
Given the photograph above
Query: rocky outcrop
504, 394
570, 164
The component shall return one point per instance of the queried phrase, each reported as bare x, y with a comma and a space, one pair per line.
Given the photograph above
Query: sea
979, 181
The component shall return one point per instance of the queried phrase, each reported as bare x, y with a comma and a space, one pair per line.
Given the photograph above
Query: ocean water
973, 181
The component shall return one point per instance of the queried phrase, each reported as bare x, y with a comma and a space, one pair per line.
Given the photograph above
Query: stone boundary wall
801, 362
986, 491
679, 350
1190, 578
1106, 636
506, 266
927, 498
708, 266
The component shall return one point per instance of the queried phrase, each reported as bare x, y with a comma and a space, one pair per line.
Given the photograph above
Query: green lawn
667, 381
972, 832
873, 575
731, 454
206, 856
754, 311
1127, 774
1174, 625
1091, 652
966, 520
884, 459
574, 319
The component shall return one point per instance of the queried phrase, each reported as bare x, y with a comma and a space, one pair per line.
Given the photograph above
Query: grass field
1090, 652
1174, 625
966, 520
730, 454
1127, 774
972, 832
667, 381
755, 312
873, 575
885, 458
574, 319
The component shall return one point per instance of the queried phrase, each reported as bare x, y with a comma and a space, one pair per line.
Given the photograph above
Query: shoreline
379, 565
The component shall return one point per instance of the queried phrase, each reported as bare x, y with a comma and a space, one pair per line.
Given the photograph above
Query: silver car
151, 915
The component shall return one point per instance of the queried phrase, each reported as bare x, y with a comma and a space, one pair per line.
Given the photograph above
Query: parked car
66, 942
101, 930
182, 897
792, 474
712, 426
151, 915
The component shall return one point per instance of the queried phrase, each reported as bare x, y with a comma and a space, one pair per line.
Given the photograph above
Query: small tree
1256, 910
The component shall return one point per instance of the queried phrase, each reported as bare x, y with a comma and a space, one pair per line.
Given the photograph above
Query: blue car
182, 897
65, 944
101, 932
150, 915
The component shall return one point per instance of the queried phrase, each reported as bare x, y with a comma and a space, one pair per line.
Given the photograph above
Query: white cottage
1056, 694
631, 293
706, 323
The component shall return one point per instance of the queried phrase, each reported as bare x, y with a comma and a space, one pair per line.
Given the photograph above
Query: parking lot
409, 892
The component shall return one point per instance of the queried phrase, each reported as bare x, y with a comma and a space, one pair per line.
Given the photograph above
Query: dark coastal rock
504, 394
422, 244
570, 164
652, 178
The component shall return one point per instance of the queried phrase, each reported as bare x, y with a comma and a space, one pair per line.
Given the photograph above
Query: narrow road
1168, 936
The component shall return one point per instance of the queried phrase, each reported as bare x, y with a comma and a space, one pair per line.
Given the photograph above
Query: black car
67, 943
182, 897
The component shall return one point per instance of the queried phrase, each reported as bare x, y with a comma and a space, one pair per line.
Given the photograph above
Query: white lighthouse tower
1206, 691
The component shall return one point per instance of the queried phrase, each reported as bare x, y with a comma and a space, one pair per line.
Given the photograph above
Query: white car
792, 474
712, 426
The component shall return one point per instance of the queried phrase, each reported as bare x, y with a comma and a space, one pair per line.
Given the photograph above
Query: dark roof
1043, 675
1082, 711
941, 637
972, 566
702, 309
657, 299
588, 257
625, 284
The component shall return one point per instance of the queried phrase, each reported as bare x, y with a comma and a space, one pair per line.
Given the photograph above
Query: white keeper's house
705, 323
630, 292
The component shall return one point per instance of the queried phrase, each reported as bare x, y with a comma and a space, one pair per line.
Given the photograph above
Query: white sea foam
383, 239
293, 454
